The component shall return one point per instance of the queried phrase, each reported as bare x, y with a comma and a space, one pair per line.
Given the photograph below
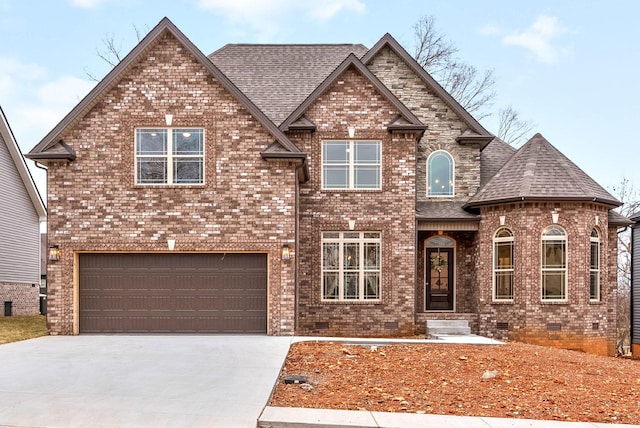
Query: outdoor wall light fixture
286, 252
54, 253
352, 131
168, 119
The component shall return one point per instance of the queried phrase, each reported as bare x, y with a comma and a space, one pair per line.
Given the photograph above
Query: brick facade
24, 298
577, 323
353, 101
246, 204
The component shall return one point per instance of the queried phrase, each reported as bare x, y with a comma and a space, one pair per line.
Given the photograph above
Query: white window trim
495, 270
596, 240
564, 270
341, 240
453, 175
351, 166
169, 156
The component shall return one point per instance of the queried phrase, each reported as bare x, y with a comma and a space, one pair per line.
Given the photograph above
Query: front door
439, 279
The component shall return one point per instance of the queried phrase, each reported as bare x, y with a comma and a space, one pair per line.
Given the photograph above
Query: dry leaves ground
513, 380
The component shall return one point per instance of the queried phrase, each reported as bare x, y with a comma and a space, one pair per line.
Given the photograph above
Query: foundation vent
554, 326
391, 325
323, 325
502, 325
595, 326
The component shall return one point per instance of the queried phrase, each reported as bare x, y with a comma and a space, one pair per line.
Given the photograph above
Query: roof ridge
530, 166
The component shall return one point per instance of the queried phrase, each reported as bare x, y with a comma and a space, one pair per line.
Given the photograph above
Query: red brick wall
245, 204
353, 101
584, 325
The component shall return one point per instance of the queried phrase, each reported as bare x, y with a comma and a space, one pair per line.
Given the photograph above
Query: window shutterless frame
440, 174
351, 164
594, 266
351, 266
553, 264
503, 265
169, 156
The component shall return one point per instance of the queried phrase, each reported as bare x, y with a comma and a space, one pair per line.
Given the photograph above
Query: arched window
554, 263
503, 265
594, 268
440, 174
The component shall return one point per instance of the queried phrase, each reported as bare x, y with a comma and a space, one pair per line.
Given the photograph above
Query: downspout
298, 171
631, 288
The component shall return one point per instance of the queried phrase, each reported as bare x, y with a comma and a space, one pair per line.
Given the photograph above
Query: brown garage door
173, 293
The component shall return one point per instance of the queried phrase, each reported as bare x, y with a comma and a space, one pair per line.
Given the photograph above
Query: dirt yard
513, 380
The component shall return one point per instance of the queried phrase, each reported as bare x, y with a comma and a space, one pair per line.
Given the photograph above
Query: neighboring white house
21, 212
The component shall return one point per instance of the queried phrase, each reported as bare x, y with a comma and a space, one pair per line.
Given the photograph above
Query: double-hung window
351, 165
554, 263
351, 266
503, 265
169, 156
594, 268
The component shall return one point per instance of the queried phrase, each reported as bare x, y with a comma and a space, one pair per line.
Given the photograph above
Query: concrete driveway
138, 381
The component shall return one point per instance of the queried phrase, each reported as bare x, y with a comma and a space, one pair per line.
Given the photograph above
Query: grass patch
22, 327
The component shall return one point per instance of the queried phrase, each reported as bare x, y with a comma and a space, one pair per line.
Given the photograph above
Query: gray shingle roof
617, 219
493, 157
635, 217
443, 210
538, 171
278, 78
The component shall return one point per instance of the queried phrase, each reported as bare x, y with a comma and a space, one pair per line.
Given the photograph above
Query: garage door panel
173, 293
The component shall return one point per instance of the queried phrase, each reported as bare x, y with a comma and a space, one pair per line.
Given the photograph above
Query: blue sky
569, 66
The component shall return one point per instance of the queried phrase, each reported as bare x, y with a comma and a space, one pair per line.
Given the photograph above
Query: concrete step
456, 327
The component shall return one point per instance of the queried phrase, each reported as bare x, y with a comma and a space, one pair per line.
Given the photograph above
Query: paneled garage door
173, 293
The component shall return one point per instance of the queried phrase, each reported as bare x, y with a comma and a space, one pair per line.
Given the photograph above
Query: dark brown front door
173, 293
439, 279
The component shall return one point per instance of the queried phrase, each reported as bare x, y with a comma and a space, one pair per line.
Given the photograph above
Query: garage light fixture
54, 253
286, 252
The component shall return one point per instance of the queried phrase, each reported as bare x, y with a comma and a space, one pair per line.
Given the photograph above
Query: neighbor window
440, 174
594, 268
503, 265
351, 165
554, 263
351, 265
169, 156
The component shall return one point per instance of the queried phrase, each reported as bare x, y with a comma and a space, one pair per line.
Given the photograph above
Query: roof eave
485, 203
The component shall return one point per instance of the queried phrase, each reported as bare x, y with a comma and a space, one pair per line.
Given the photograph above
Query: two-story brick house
314, 189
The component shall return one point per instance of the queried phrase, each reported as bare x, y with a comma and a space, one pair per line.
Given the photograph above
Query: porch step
458, 327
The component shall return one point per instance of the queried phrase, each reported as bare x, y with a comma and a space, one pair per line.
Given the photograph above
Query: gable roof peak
456, 107
411, 121
165, 25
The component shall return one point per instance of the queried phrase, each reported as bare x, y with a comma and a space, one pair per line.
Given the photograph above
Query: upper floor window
594, 268
351, 265
440, 174
351, 165
169, 156
554, 263
503, 265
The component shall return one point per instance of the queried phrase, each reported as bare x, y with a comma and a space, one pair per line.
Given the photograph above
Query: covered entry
172, 293
439, 269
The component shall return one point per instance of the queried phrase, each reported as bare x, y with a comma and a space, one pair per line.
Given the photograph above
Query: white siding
19, 225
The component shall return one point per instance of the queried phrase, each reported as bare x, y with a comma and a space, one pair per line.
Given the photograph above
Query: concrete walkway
138, 381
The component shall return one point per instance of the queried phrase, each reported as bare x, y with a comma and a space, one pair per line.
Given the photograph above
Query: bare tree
474, 90
111, 51
631, 204
512, 128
